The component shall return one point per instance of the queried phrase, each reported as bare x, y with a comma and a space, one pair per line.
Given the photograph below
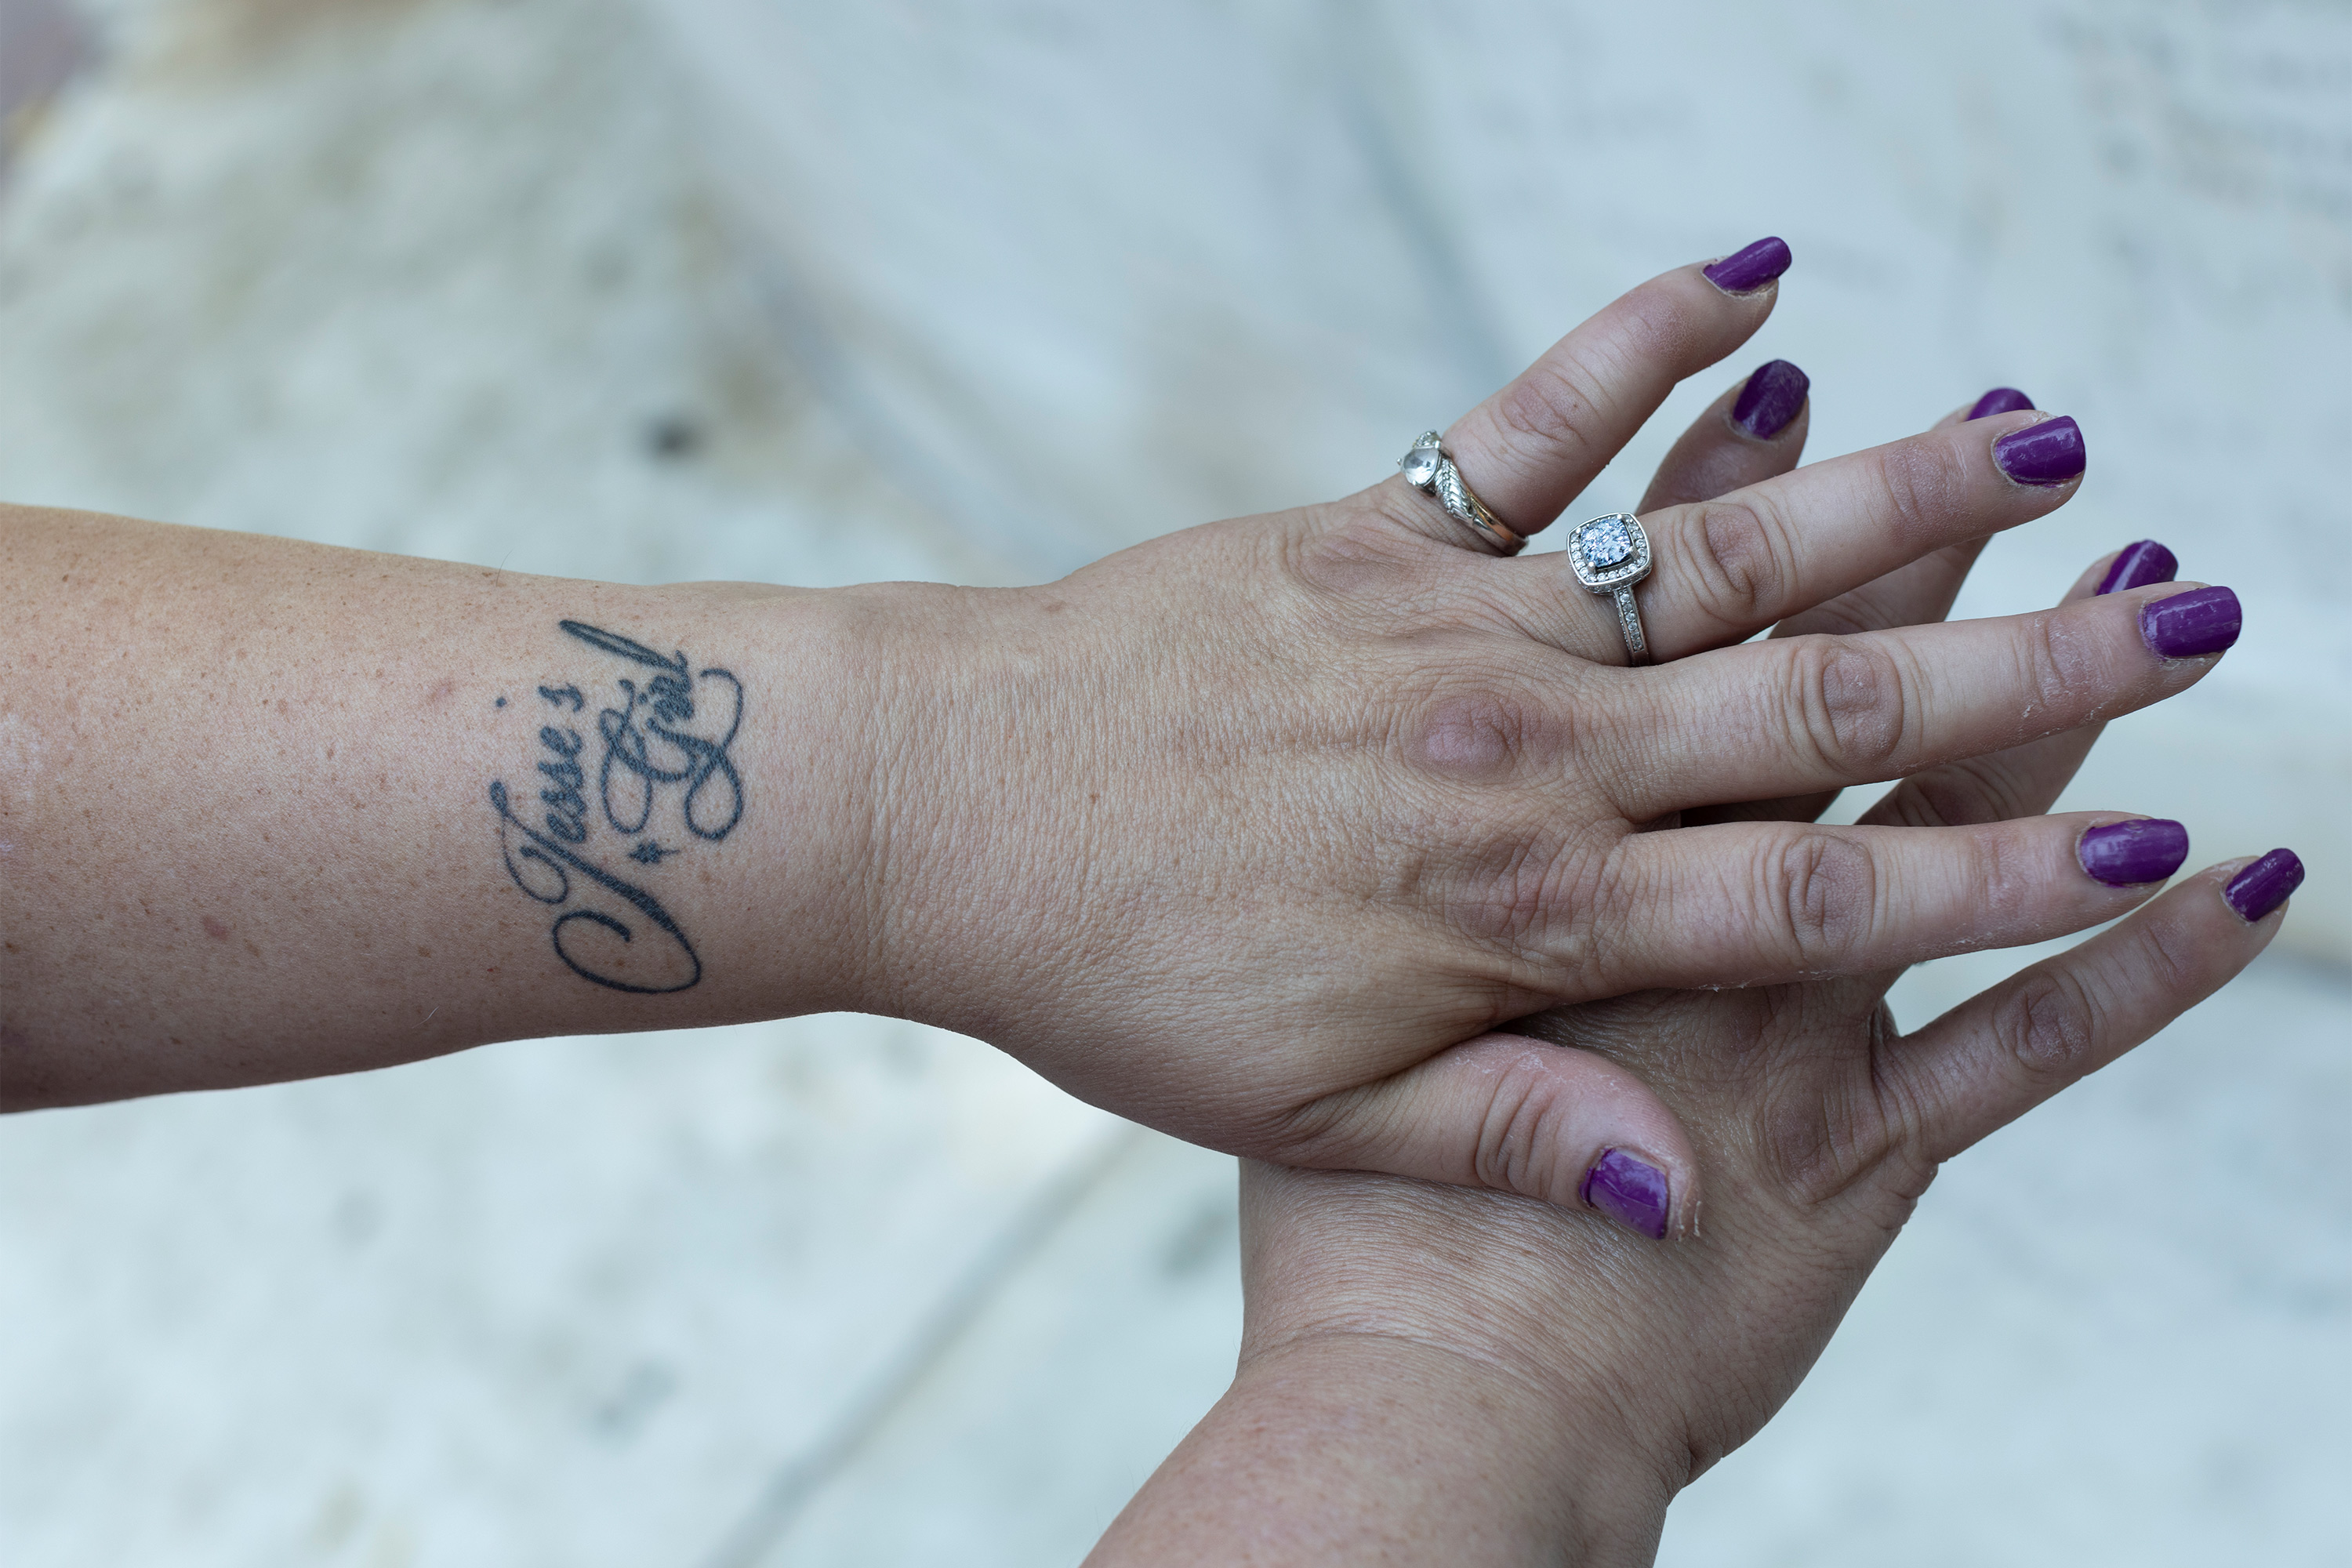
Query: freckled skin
303, 738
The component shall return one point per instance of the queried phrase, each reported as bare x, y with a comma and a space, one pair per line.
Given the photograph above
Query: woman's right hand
1237, 833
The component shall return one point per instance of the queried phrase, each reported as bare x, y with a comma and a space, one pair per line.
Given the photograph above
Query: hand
1236, 832
1457, 1376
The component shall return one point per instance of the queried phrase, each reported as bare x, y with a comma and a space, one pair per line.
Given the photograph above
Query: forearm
1373, 1449
269, 809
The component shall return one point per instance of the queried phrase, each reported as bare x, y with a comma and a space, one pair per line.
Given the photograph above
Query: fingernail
2258, 889
2138, 565
2000, 400
1774, 393
1629, 1189
2123, 854
2202, 621
2049, 453
1750, 266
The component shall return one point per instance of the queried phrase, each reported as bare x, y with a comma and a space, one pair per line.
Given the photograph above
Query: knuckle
2057, 670
1853, 703
1556, 408
1924, 484
1512, 1152
1656, 325
2172, 957
1354, 550
1739, 562
1820, 888
2047, 1025
1478, 732
1534, 893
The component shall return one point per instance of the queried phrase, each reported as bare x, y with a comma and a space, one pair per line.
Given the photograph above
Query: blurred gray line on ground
771, 1517
1012, 531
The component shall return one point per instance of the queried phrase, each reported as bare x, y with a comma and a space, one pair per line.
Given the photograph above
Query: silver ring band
1609, 554
1429, 467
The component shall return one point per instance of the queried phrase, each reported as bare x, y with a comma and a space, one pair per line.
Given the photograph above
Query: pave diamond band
1427, 467
1609, 554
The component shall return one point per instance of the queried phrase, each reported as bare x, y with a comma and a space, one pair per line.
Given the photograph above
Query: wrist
945, 774
812, 927
1357, 1446
895, 789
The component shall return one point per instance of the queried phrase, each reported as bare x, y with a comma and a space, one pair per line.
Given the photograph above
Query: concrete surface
728, 287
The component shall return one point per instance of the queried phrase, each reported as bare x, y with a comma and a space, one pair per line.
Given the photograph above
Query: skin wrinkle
1916, 488
1547, 409
1742, 548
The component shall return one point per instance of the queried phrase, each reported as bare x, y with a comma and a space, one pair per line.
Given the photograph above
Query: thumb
1517, 1115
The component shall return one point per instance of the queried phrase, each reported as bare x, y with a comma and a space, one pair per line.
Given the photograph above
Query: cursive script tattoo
661, 752
646, 746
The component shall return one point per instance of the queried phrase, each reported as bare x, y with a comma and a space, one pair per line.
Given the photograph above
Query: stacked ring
1428, 467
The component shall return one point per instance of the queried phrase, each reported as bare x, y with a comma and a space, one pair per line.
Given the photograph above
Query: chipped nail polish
1629, 1189
2202, 621
1750, 266
2125, 854
1774, 393
2260, 888
2137, 566
2049, 453
1999, 400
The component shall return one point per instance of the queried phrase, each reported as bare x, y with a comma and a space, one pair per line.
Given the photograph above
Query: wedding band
1427, 467
1609, 555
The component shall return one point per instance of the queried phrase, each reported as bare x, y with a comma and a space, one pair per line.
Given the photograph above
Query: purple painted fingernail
2124, 854
2261, 886
1629, 1189
1999, 400
1750, 266
2049, 453
2202, 621
1774, 393
2137, 566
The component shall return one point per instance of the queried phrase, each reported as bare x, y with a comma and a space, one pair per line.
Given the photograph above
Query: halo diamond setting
1605, 552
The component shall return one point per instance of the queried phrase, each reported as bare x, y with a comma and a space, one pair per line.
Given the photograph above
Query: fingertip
1634, 1192
1748, 270
1769, 400
2044, 454
2133, 853
2262, 888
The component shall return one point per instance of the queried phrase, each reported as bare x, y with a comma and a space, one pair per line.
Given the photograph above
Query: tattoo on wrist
658, 752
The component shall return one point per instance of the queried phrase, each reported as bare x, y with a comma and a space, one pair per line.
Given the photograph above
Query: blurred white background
750, 289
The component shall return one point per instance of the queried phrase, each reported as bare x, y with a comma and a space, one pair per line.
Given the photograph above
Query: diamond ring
1427, 467
1609, 555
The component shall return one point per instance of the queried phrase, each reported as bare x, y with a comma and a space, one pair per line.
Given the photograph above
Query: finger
1921, 591
1808, 713
1765, 903
2019, 782
1754, 432
2023, 780
1729, 567
1533, 447
1999, 1054
1516, 1115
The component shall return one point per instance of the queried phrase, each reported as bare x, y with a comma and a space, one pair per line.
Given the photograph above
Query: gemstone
1606, 541
1420, 466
